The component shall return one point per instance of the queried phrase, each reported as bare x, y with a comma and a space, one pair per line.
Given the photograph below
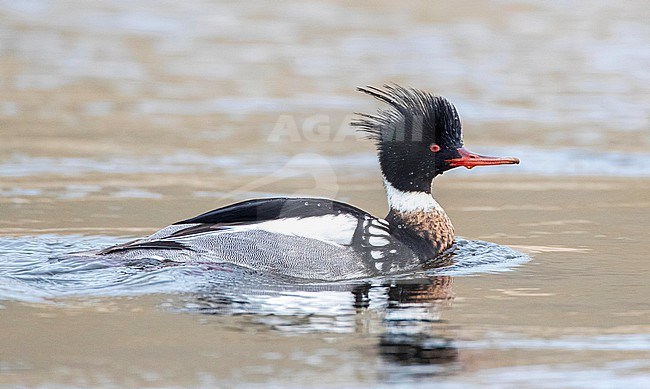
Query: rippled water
38, 269
413, 339
570, 161
119, 117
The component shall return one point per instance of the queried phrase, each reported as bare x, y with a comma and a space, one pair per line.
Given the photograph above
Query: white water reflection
534, 161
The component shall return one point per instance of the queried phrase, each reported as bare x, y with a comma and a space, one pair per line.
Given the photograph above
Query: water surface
118, 118
41, 268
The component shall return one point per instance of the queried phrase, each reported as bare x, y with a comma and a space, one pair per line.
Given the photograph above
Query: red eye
434, 148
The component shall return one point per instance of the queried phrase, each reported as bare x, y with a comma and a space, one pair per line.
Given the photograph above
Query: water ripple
38, 269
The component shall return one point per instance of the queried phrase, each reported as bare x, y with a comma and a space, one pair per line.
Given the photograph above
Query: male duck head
418, 137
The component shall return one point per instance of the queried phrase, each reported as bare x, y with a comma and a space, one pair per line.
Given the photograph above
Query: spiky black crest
413, 115
415, 135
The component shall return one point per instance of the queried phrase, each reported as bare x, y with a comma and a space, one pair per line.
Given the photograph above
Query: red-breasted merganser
418, 137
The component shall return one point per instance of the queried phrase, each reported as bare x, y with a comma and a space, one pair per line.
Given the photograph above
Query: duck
418, 136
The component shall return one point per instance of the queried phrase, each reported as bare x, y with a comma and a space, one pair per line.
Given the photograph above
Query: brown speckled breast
432, 226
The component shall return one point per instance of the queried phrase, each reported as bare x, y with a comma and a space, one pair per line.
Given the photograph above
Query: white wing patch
375, 230
337, 229
377, 241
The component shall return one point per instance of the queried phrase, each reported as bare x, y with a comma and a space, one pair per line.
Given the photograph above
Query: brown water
118, 118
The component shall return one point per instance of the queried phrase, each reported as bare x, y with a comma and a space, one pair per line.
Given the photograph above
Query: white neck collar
402, 201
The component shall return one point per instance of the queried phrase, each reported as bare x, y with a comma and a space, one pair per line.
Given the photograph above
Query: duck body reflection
403, 319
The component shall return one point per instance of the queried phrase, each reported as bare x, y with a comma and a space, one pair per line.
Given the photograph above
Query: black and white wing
301, 237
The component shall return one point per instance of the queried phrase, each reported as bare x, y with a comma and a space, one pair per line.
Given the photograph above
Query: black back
257, 210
